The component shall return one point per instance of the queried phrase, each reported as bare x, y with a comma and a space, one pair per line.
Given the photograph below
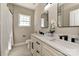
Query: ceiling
28, 5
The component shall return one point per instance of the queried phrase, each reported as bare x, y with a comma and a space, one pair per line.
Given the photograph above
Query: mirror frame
47, 19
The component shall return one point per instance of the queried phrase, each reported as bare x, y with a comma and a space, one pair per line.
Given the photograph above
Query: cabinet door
49, 51
33, 47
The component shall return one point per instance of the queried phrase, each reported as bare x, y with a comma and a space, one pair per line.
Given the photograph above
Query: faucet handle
64, 36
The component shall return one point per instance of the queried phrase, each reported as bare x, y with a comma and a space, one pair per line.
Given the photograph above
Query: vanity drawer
49, 51
37, 46
38, 53
38, 43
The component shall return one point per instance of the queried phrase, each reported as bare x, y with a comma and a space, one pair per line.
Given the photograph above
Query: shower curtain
10, 42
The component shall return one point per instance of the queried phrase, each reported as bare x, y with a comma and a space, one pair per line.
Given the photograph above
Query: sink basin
51, 38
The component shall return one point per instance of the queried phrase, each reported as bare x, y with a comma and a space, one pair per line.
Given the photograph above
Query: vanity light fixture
48, 5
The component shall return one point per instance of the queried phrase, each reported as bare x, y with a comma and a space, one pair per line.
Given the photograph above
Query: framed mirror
68, 15
44, 20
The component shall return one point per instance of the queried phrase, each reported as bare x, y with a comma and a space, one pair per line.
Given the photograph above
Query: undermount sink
51, 37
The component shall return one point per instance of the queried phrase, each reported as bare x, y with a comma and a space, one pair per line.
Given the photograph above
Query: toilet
28, 43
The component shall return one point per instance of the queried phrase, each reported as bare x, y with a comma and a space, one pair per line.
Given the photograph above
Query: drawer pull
37, 51
32, 46
38, 43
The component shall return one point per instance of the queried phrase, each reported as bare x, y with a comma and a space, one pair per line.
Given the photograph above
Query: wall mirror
68, 14
44, 20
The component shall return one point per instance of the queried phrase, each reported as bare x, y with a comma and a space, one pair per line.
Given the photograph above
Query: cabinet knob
37, 51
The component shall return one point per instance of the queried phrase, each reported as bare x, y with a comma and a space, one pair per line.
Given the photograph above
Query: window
24, 20
74, 17
42, 22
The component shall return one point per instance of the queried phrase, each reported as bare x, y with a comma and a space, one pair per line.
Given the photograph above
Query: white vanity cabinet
40, 48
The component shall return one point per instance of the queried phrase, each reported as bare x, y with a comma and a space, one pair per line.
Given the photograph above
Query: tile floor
20, 51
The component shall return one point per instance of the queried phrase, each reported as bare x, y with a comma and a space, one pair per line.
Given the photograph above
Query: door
23, 24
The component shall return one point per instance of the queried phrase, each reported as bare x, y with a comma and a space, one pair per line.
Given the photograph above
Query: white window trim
20, 25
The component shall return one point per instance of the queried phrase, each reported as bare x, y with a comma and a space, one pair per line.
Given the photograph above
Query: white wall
6, 18
37, 19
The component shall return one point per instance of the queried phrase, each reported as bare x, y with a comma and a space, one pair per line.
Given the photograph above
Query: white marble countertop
68, 48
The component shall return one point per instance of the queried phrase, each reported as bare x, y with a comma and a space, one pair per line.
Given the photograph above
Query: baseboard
19, 44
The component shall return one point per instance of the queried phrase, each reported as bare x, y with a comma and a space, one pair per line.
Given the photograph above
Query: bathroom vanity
44, 45
52, 46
